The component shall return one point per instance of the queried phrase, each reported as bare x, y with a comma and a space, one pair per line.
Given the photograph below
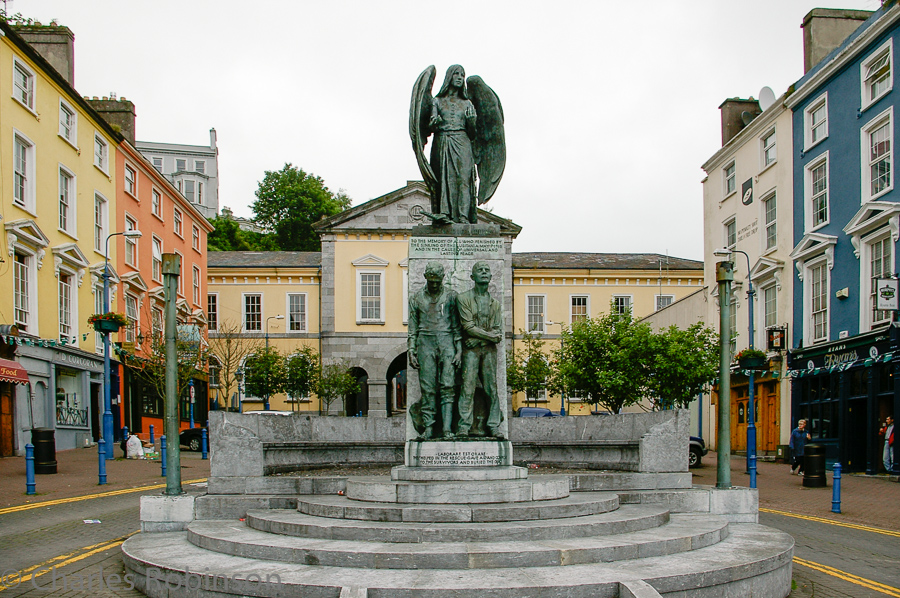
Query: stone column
377, 398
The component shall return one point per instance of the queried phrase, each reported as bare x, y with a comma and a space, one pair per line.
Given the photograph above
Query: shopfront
844, 390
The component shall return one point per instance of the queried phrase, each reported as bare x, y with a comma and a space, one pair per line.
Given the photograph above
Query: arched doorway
358, 404
396, 385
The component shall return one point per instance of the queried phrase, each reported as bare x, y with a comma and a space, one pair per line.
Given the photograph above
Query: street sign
191, 387
886, 297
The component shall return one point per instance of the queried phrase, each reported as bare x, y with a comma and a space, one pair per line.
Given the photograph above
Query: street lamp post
751, 407
562, 396
278, 317
107, 401
239, 376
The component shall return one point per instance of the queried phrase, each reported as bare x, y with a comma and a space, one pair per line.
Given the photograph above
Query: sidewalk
77, 475
865, 500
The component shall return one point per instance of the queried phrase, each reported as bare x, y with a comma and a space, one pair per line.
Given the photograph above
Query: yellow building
58, 203
356, 296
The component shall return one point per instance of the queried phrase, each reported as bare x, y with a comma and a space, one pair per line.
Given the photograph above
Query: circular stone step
339, 507
681, 534
426, 474
628, 518
378, 489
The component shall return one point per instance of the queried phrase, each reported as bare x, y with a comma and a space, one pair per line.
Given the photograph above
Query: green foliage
528, 370
684, 362
335, 381
617, 361
264, 373
228, 236
301, 372
289, 201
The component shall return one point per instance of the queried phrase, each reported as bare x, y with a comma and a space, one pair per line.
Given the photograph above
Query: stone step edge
292, 523
683, 533
379, 489
338, 507
751, 553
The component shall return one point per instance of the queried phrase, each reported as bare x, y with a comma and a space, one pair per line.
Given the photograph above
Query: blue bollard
753, 471
152, 437
836, 490
162, 453
29, 468
101, 453
203, 443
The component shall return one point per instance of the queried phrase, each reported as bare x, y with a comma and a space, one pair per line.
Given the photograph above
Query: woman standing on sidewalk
887, 430
798, 443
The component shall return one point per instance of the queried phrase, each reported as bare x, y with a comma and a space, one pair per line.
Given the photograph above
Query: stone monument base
458, 453
450, 474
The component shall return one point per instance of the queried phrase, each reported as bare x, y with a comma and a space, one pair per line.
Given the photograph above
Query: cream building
356, 295
748, 207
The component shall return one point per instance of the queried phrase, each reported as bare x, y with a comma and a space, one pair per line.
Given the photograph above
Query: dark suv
696, 450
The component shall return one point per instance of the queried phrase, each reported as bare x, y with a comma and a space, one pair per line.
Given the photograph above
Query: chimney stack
824, 29
55, 44
118, 113
732, 111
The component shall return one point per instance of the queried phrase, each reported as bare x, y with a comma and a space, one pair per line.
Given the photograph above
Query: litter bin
44, 441
814, 466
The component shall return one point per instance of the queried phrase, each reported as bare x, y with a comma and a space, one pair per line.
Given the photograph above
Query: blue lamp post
107, 401
751, 407
562, 396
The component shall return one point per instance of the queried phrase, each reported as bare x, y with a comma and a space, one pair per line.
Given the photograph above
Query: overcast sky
611, 108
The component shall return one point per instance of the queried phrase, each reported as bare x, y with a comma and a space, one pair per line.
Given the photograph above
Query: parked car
191, 438
696, 450
535, 412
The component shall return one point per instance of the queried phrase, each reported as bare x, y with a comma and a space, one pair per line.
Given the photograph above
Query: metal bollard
203, 443
152, 437
29, 468
101, 454
752, 461
836, 489
162, 452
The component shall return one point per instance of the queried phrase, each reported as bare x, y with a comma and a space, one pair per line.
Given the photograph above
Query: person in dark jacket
798, 443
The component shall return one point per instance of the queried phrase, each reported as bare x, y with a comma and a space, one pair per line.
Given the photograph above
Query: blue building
845, 355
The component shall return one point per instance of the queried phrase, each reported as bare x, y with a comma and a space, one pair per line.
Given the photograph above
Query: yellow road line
854, 579
61, 501
35, 571
865, 528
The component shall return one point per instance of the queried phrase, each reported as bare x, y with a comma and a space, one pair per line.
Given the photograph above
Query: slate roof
263, 259
602, 261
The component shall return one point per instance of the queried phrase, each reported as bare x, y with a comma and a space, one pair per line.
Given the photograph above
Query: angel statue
468, 152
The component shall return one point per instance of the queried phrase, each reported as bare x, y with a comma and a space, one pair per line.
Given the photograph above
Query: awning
12, 371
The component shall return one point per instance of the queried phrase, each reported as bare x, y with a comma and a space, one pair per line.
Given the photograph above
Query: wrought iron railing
71, 416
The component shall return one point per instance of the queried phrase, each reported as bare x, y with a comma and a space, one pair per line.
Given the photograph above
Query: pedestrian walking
798, 444
887, 430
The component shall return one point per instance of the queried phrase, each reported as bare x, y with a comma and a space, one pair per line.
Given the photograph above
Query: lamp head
133, 234
723, 253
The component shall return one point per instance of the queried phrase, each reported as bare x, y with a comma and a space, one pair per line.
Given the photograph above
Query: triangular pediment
27, 232
813, 245
397, 212
766, 268
135, 281
871, 217
97, 273
370, 261
71, 255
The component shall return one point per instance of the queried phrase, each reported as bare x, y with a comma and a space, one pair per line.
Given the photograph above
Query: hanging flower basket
751, 359
108, 322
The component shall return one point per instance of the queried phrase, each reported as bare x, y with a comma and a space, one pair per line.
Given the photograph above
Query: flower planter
106, 326
752, 363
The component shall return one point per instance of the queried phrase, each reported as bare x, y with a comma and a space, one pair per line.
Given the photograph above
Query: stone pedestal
458, 248
442, 454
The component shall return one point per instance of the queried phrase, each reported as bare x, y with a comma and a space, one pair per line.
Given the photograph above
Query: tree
617, 361
335, 381
684, 362
302, 372
228, 348
528, 370
289, 201
229, 236
264, 373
